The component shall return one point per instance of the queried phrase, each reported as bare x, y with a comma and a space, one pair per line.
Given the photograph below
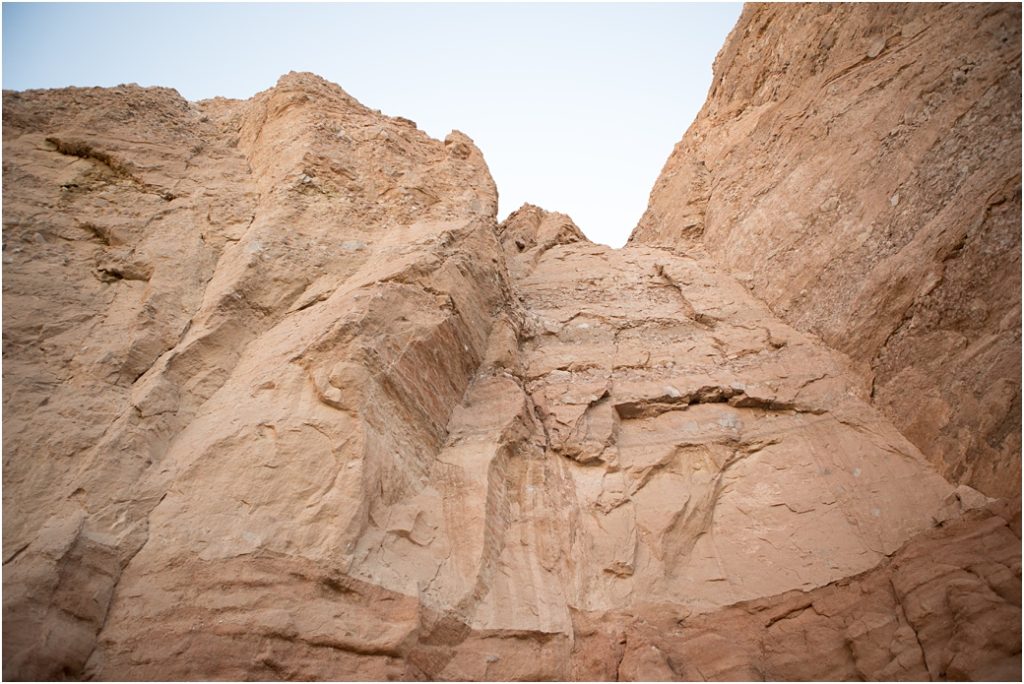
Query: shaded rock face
861, 175
282, 400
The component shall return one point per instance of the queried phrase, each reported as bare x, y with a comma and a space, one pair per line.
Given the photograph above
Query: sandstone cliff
858, 167
282, 400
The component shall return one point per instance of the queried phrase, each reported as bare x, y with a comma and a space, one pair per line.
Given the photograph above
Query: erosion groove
315, 414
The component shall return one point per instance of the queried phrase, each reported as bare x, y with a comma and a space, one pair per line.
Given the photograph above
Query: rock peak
529, 231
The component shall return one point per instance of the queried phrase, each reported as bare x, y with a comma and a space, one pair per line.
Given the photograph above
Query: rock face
282, 400
910, 618
266, 309
862, 176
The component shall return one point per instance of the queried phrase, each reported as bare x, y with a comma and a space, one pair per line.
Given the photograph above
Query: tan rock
348, 427
297, 340
858, 167
905, 619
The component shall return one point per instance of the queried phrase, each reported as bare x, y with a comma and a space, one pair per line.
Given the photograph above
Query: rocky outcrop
255, 316
861, 175
283, 401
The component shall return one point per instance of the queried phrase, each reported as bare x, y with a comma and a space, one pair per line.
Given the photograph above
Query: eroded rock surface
910, 618
220, 308
858, 168
283, 401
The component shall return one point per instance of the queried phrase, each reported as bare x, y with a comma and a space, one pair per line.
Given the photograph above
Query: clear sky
576, 107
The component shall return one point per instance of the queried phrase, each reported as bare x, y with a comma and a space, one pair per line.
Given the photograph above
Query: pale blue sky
575, 106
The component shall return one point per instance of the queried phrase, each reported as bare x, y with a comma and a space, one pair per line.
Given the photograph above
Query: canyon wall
261, 312
283, 400
858, 168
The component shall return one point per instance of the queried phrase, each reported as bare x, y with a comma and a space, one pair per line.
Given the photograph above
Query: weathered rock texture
910, 618
282, 400
858, 167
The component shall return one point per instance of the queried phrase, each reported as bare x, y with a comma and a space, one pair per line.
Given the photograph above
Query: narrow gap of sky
576, 107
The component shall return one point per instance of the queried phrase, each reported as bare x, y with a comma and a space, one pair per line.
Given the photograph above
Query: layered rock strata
858, 168
283, 401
